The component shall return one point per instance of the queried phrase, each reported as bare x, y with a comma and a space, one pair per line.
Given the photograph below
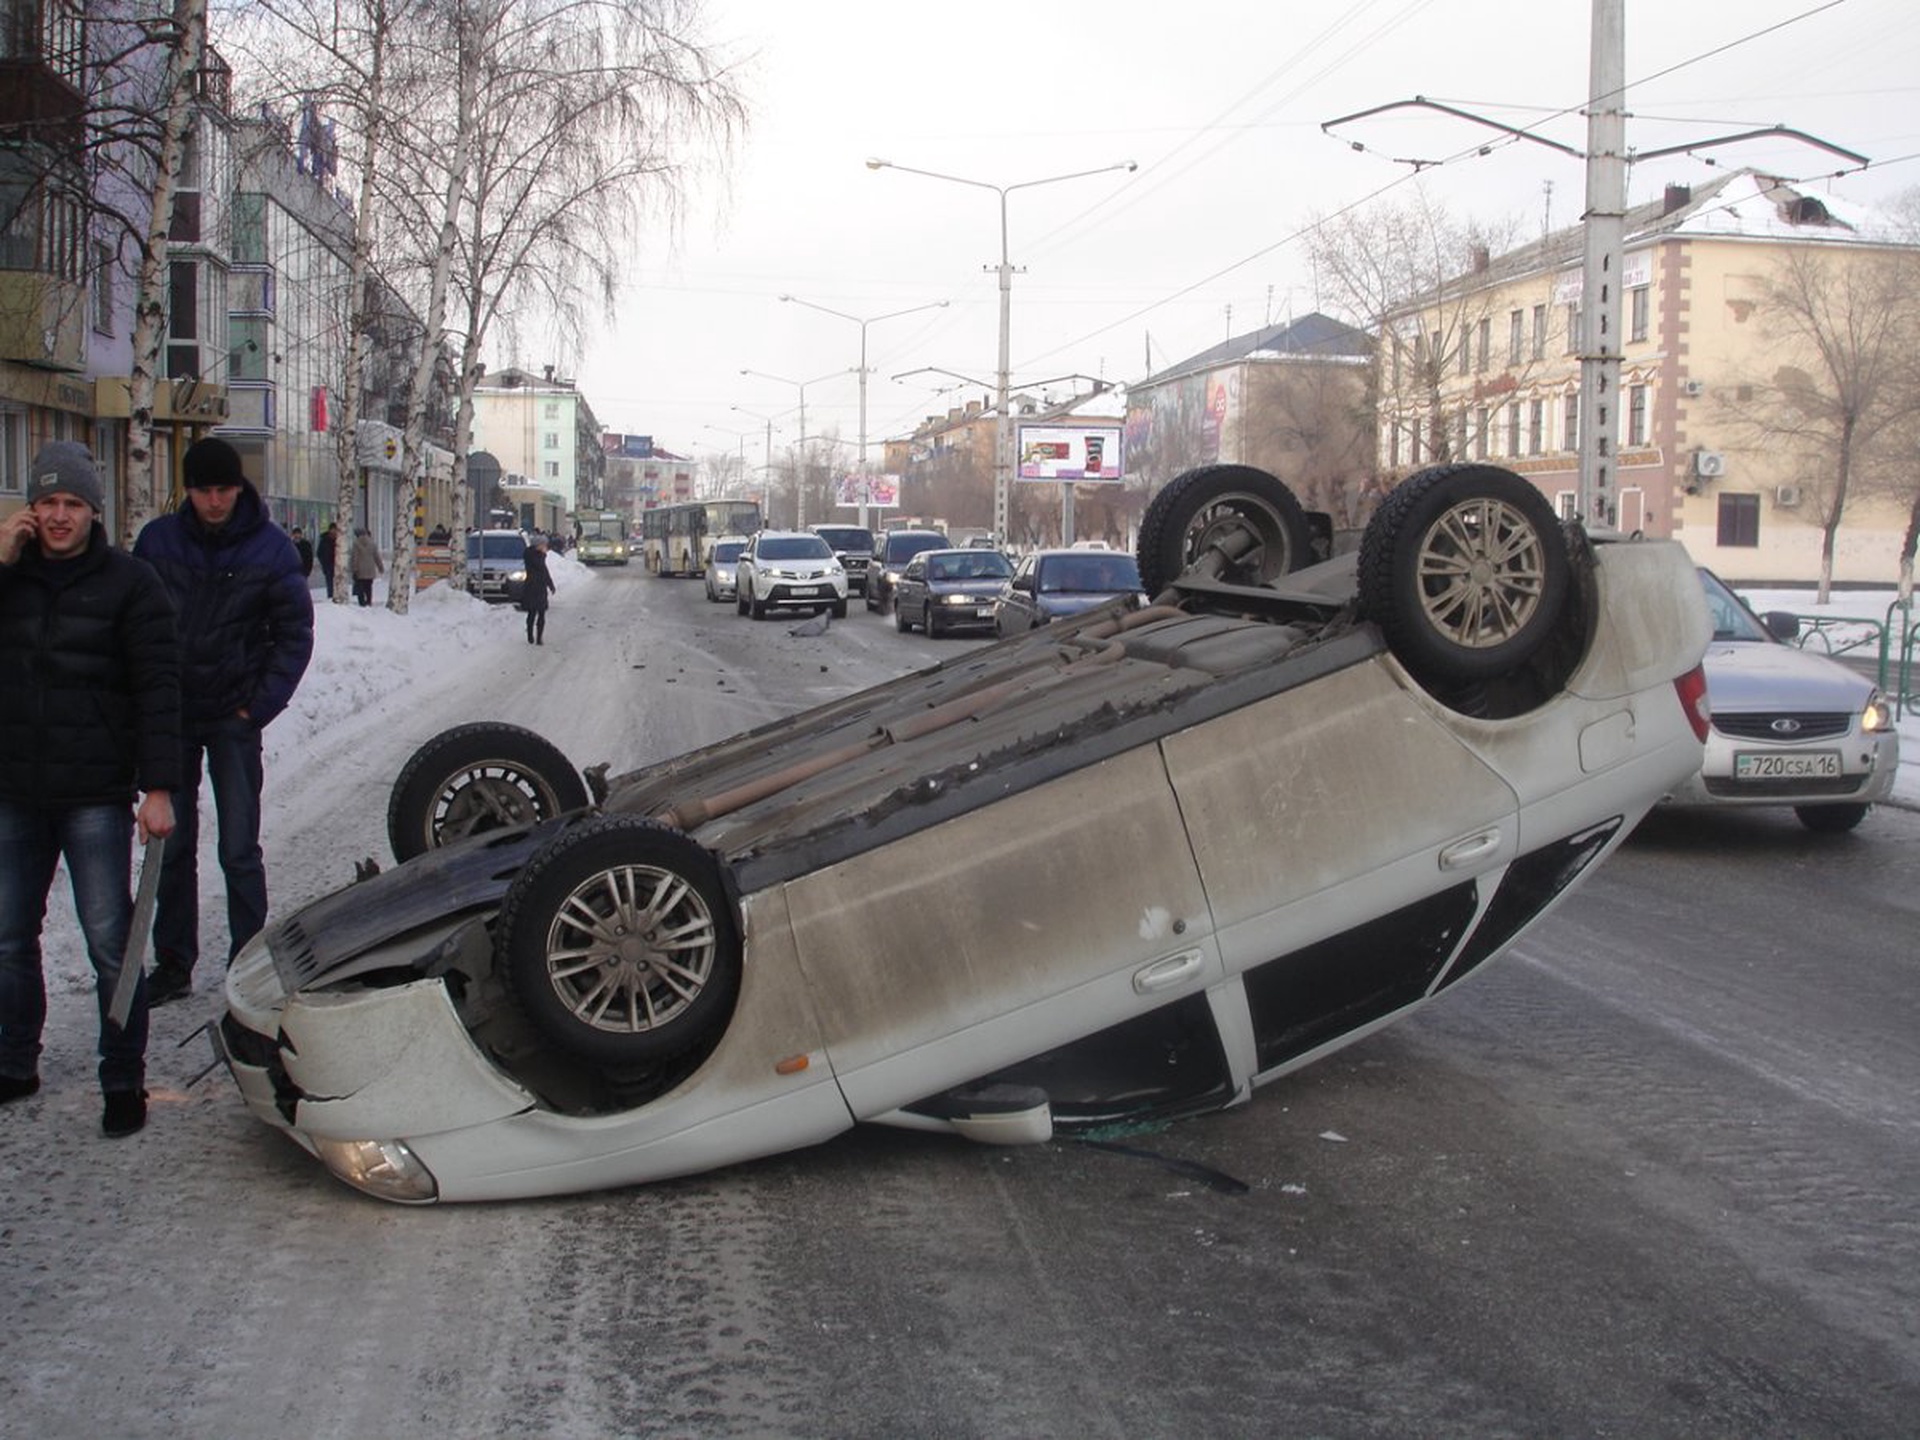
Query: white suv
791, 568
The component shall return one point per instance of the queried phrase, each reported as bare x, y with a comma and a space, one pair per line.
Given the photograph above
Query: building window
551, 468
1482, 423
1570, 425
1486, 344
1465, 359
1539, 332
1536, 426
550, 440
1516, 336
1513, 426
1739, 520
249, 228
103, 287
1640, 307
553, 409
1636, 415
13, 452
1573, 328
183, 320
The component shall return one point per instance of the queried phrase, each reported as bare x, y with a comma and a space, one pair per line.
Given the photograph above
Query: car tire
1196, 509
838, 609
1465, 569
1831, 819
756, 607
476, 778
927, 622
740, 597
618, 943
900, 621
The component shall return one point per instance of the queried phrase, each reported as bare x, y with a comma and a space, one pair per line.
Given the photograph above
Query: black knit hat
212, 461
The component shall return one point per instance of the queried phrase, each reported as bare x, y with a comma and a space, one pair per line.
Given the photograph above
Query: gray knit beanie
65, 467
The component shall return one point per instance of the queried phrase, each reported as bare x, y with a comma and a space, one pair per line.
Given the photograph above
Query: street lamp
766, 471
869, 320
800, 486
1003, 430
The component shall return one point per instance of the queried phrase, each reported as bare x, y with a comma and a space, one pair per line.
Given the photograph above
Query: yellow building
1489, 370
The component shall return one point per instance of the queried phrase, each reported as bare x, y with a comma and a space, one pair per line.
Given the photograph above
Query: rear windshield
975, 565
905, 547
794, 547
846, 537
499, 547
1094, 570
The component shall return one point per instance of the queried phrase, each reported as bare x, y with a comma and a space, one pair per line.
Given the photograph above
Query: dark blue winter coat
245, 613
89, 679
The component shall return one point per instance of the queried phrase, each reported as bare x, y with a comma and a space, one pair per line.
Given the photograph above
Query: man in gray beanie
89, 719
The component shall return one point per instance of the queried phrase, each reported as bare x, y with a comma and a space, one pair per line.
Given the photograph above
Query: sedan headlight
1877, 718
961, 599
385, 1169
516, 575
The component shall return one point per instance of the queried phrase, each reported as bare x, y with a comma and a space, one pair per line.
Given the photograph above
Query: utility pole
1605, 221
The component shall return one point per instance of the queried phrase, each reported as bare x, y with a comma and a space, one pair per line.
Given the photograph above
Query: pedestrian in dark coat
533, 594
246, 634
89, 719
304, 548
329, 548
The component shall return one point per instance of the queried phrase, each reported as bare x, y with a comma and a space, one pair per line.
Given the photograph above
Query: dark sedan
943, 591
1051, 584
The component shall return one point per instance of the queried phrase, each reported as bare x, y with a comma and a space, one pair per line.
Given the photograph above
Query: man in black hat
246, 634
89, 719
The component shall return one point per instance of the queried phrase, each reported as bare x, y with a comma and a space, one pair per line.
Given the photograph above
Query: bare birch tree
1841, 327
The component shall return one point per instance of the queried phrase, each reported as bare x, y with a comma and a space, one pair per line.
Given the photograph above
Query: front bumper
1864, 769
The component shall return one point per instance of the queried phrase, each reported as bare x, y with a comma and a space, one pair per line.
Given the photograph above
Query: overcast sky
1221, 107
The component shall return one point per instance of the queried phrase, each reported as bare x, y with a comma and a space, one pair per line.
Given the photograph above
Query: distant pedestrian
89, 719
329, 548
246, 634
305, 547
366, 564
533, 594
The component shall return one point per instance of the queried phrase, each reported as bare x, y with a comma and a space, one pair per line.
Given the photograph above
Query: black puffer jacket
89, 679
246, 615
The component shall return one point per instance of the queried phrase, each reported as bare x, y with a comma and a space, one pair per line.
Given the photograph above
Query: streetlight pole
800, 479
766, 470
870, 320
1003, 428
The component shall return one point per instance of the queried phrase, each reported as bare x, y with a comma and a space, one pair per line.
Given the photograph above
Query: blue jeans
96, 841
232, 750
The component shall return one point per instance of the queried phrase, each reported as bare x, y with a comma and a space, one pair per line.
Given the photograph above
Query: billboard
1086, 454
882, 491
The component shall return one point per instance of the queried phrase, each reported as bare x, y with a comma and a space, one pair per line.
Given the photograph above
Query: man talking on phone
89, 720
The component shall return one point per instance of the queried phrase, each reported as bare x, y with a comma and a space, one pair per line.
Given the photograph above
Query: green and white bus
601, 537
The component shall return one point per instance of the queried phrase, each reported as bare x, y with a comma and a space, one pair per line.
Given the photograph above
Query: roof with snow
1313, 336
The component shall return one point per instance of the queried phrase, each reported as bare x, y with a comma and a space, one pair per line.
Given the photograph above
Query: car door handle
1469, 851
1167, 972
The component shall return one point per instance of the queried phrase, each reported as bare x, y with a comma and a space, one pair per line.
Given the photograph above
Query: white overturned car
1133, 864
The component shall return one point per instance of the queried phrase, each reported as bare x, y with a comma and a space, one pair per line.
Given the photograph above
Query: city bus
678, 539
602, 536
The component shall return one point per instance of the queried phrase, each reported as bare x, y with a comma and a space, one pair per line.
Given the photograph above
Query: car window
904, 547
498, 547
1090, 570
846, 537
1731, 619
729, 551
793, 547
916, 569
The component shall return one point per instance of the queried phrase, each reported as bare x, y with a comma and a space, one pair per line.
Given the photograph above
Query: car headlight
516, 575
959, 599
385, 1169
1877, 718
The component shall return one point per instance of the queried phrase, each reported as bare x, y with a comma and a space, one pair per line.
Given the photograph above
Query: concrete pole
1605, 235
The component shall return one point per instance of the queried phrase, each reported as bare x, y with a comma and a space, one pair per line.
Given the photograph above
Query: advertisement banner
882, 491
1086, 454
